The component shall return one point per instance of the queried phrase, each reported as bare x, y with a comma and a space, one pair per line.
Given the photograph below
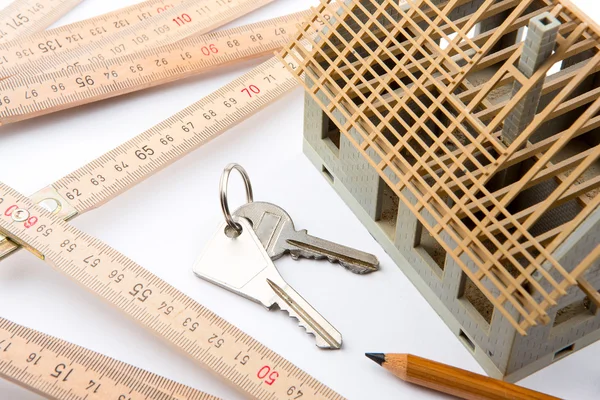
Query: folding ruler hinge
49, 199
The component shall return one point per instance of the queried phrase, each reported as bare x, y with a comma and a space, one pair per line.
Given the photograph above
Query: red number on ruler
251, 90
31, 222
9, 211
163, 9
182, 19
269, 376
210, 49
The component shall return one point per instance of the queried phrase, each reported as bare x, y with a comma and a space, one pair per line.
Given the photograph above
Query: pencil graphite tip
379, 358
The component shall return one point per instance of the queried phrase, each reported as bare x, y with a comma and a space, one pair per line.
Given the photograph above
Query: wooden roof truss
380, 60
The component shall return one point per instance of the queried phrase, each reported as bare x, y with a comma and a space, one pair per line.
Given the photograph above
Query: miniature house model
466, 135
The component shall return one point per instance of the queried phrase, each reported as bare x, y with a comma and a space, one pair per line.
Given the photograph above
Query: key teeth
286, 303
358, 270
355, 269
321, 343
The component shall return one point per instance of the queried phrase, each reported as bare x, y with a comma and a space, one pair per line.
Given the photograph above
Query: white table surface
381, 312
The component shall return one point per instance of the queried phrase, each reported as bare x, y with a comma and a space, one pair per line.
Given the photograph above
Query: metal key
242, 266
276, 231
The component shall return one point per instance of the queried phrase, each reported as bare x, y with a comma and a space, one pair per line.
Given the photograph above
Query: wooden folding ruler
204, 336
42, 94
58, 369
248, 365
140, 157
29, 97
64, 49
90, 29
25, 17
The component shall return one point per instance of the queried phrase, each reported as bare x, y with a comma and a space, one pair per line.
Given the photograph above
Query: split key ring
233, 229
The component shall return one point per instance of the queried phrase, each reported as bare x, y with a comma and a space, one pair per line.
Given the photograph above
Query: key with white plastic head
276, 231
242, 266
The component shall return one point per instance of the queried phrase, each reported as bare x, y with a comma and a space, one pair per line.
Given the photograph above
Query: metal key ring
237, 228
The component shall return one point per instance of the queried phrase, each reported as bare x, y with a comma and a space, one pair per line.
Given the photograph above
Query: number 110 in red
182, 19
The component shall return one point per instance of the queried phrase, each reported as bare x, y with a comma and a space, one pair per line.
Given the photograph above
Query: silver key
242, 266
276, 231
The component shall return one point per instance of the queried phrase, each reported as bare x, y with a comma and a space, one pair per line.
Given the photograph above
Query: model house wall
502, 335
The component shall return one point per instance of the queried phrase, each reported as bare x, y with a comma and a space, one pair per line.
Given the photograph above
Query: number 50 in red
269, 376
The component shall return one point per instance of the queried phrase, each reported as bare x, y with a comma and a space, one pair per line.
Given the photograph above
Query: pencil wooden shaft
456, 381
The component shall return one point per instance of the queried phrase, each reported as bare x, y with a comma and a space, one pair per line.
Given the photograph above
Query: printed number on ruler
157, 30
23, 51
162, 145
155, 304
28, 98
61, 370
24, 17
174, 138
136, 159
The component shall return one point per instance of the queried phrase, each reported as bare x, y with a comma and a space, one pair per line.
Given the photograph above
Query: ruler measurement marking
78, 28
34, 356
125, 41
135, 307
164, 65
24, 17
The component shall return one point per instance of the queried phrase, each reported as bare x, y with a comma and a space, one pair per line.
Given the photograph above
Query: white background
164, 222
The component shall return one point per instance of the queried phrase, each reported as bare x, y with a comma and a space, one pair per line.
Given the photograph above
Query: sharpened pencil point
379, 358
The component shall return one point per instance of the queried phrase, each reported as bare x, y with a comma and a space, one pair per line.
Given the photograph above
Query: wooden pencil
451, 380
